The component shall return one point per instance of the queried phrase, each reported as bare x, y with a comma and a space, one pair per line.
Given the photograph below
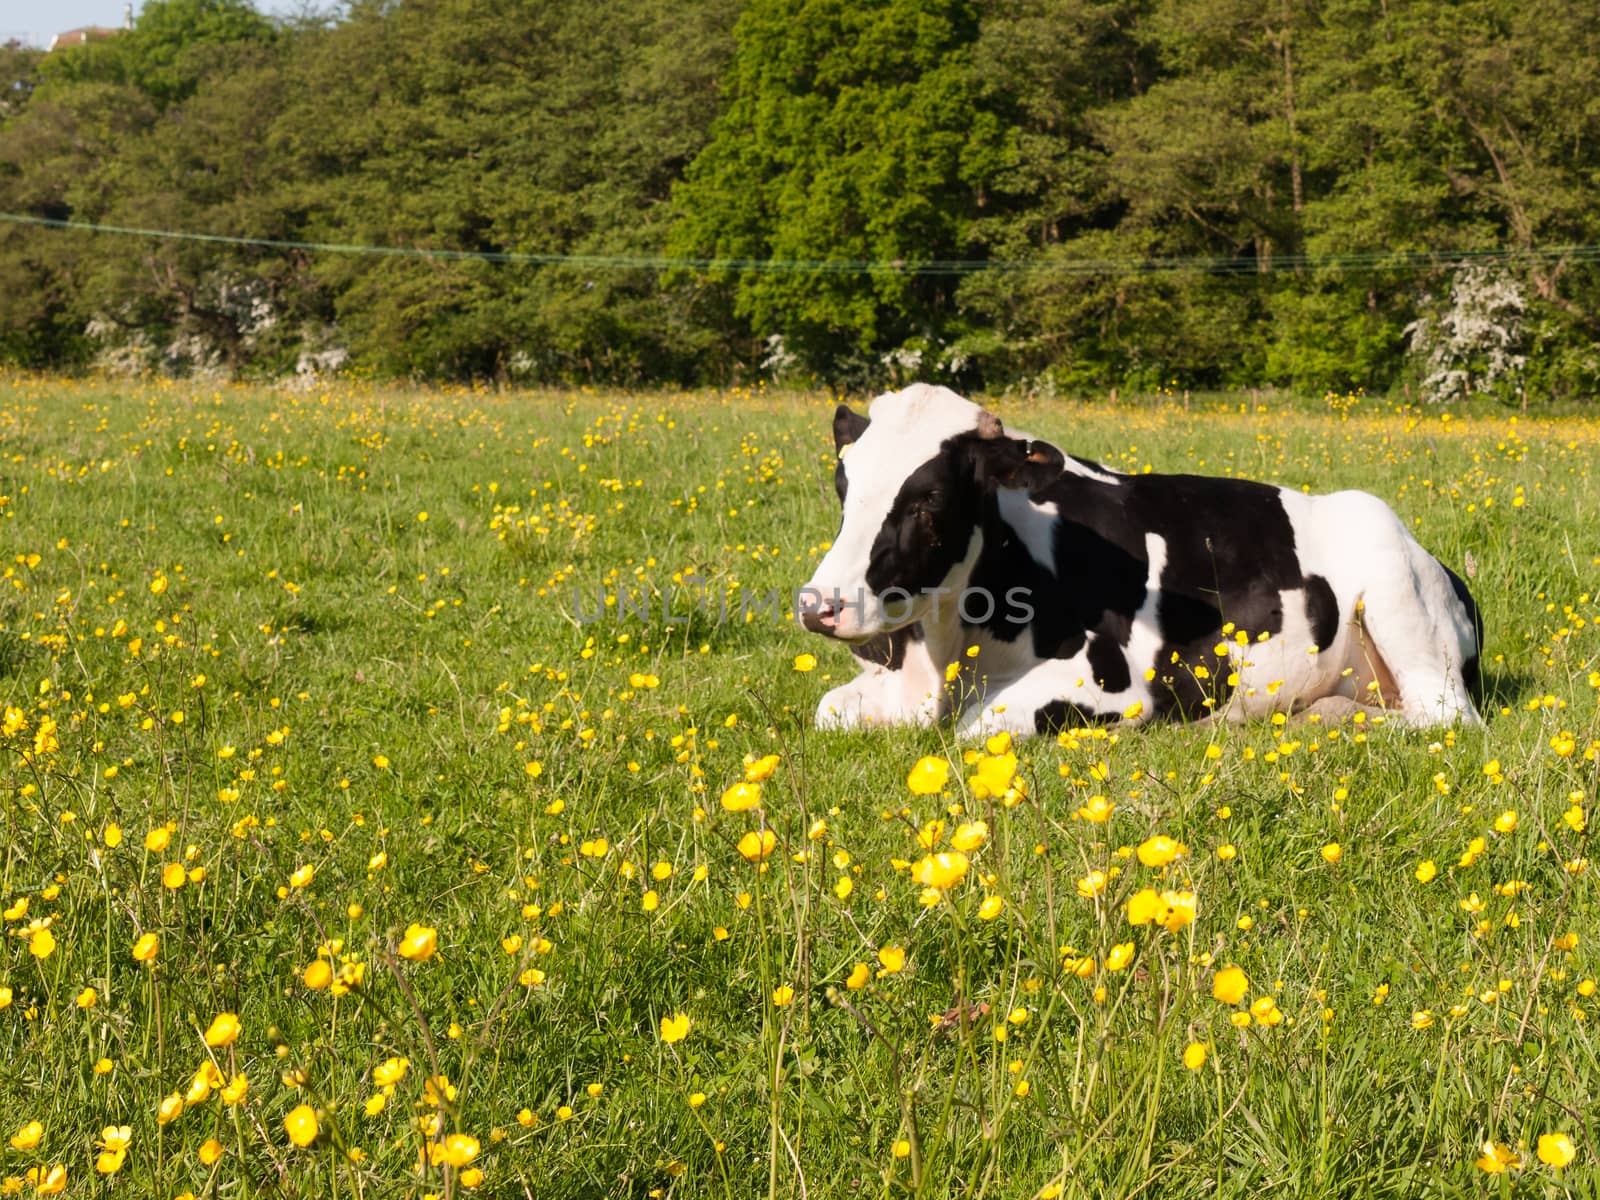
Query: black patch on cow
929, 526
1064, 714
1100, 591
1109, 664
1322, 611
1469, 669
848, 426
1230, 556
888, 649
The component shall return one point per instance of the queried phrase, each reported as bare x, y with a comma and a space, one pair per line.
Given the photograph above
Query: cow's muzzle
822, 618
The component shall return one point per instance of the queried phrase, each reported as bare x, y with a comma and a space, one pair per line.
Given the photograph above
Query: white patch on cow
1034, 524
1410, 611
1146, 638
1409, 618
908, 429
1277, 673
1091, 470
1073, 466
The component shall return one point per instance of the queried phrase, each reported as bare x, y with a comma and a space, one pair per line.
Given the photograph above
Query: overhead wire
1056, 264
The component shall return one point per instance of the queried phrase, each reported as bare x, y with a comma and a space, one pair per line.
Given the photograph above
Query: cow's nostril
824, 618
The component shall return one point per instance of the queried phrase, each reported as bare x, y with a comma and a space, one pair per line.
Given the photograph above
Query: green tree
502, 128
172, 46
852, 133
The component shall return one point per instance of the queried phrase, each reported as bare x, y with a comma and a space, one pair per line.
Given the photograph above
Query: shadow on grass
1504, 689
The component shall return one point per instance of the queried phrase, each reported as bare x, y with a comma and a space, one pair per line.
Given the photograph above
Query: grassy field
363, 836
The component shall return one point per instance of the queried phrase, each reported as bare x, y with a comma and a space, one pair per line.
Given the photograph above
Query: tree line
1063, 194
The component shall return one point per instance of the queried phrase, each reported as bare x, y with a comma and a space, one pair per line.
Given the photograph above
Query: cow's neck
944, 636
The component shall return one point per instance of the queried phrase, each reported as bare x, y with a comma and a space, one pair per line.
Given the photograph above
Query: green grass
414, 708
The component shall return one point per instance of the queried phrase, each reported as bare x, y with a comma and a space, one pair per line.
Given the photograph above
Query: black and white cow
1096, 596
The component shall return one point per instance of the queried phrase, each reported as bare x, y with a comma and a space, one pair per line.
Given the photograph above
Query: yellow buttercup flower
741, 797
1556, 1149
301, 1125
970, 835
943, 870
390, 1071
1229, 985
757, 845
929, 776
1177, 910
1145, 906
50, 1181
456, 1150
1096, 810
1497, 1157
419, 943
892, 959
205, 1081
1160, 850
223, 1031
759, 769
1266, 1011
674, 1028
1121, 955
41, 942
994, 775
115, 1137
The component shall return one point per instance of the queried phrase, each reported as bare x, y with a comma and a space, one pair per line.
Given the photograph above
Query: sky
35, 21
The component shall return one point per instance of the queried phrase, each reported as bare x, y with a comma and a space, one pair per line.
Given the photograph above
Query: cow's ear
1008, 462
848, 426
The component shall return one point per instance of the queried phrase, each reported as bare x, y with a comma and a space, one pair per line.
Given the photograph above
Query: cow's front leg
989, 720
876, 698
1050, 696
850, 705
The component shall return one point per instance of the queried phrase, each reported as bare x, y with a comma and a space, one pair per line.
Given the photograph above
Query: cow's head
915, 476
